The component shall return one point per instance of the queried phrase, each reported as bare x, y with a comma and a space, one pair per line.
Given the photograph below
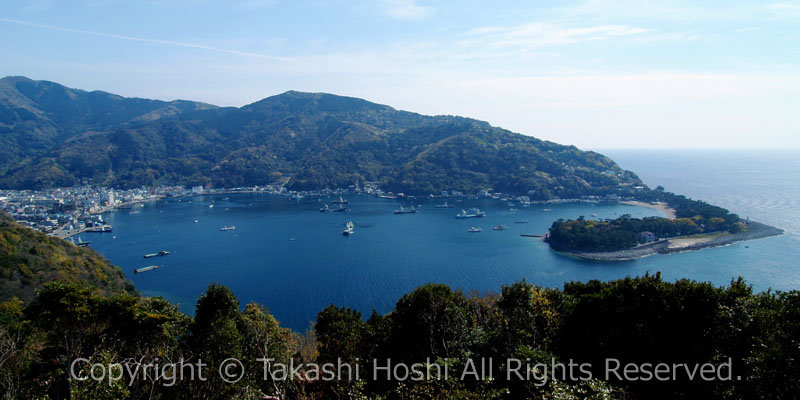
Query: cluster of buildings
65, 212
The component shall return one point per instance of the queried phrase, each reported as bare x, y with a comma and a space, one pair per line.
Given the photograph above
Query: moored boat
349, 229
82, 243
102, 228
340, 201
473, 213
145, 269
160, 253
402, 210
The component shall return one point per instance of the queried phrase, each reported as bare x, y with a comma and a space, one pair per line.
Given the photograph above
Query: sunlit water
391, 254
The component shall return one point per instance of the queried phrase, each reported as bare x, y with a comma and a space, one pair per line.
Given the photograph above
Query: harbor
262, 263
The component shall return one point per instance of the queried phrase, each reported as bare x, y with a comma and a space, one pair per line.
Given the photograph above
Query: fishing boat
159, 254
500, 227
445, 205
145, 269
102, 228
340, 201
473, 213
474, 230
349, 229
228, 228
402, 210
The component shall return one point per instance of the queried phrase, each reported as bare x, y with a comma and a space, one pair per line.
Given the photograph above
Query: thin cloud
147, 40
783, 7
544, 34
407, 9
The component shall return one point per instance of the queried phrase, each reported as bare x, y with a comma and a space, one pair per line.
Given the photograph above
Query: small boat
210, 206
160, 253
340, 201
325, 209
521, 221
228, 228
103, 228
341, 208
474, 230
145, 269
196, 221
546, 210
349, 229
500, 227
81, 243
473, 213
445, 205
402, 210
594, 214
513, 209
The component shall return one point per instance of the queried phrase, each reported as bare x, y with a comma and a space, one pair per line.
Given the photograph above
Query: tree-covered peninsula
708, 224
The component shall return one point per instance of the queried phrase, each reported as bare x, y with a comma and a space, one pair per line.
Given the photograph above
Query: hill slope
29, 259
56, 136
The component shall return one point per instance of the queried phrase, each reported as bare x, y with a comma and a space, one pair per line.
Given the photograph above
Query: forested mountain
29, 259
55, 136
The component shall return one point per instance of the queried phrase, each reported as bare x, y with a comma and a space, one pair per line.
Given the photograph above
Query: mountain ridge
70, 136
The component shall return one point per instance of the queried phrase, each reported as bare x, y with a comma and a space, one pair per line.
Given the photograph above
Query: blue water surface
390, 254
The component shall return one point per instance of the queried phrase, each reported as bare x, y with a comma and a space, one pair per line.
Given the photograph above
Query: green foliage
634, 320
29, 259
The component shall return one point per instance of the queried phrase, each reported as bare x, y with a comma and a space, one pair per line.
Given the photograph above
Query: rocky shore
680, 244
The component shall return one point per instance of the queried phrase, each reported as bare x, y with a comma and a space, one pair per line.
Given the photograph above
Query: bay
389, 254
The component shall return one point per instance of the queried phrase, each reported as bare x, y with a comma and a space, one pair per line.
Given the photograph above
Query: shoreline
680, 244
663, 207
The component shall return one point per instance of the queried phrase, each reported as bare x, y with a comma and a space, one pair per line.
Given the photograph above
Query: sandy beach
663, 207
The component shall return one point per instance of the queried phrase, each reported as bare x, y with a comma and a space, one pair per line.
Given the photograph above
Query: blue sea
288, 256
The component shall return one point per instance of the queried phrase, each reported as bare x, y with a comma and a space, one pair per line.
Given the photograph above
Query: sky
595, 74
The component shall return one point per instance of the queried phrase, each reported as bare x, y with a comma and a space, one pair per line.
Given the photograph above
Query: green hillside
29, 259
55, 136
